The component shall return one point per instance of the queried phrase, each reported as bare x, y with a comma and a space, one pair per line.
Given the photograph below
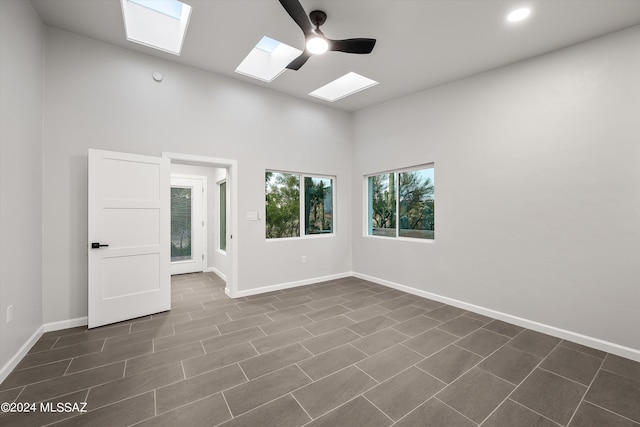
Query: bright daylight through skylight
344, 86
160, 24
267, 60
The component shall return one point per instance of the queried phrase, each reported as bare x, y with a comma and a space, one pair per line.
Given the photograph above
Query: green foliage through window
402, 204
285, 216
180, 224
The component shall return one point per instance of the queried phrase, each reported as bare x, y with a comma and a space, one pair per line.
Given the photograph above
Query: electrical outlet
303, 260
9, 314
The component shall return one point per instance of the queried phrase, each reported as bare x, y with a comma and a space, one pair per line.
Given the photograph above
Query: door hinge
203, 223
203, 257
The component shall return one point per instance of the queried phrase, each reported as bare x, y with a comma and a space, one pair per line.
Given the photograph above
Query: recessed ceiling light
160, 24
518, 15
343, 86
267, 60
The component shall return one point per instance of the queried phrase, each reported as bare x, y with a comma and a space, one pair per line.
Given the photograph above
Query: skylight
343, 86
160, 24
267, 60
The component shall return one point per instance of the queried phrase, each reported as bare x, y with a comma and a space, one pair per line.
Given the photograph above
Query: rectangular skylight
160, 24
267, 60
343, 86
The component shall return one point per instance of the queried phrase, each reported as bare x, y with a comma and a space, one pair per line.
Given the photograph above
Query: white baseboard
47, 327
66, 324
609, 347
13, 362
288, 285
218, 272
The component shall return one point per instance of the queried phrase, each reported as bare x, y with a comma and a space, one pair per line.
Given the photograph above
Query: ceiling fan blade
299, 61
295, 10
352, 45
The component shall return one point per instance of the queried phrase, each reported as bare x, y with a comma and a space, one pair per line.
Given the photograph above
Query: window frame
367, 225
303, 220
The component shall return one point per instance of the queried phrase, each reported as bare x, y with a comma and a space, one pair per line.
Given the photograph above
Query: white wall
21, 72
537, 183
101, 96
215, 259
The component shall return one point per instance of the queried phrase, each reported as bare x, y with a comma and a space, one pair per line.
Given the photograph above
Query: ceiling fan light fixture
519, 15
317, 45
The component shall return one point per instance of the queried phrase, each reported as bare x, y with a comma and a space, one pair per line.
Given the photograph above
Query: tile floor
341, 353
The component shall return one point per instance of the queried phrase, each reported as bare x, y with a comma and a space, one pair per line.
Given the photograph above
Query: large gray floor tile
40, 373
572, 364
476, 394
510, 364
449, 363
589, 415
56, 355
254, 393
123, 413
329, 324
107, 357
388, 363
231, 339
218, 359
381, 340
535, 342
326, 394
273, 360
285, 324
461, 325
358, 412
416, 325
163, 358
482, 342
616, 393
372, 325
550, 395
438, 415
282, 339
331, 361
123, 388
70, 383
504, 328
623, 367
283, 412
194, 388
330, 340
211, 410
513, 414
430, 342
404, 392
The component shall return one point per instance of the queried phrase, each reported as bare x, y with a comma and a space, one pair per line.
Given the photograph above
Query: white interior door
187, 224
128, 236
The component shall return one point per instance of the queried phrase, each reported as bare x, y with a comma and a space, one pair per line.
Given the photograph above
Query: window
402, 203
180, 224
296, 202
222, 191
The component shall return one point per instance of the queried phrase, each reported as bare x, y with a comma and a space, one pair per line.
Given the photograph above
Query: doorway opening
220, 214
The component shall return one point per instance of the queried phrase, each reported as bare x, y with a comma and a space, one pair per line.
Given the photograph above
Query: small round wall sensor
157, 76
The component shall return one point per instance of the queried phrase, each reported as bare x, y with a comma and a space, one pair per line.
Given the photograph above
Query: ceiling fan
315, 41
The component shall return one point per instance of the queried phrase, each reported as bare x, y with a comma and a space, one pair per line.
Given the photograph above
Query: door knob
96, 245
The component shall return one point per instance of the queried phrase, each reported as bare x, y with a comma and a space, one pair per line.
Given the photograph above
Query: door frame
200, 230
232, 202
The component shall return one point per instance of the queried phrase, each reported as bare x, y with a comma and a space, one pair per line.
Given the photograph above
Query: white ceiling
421, 43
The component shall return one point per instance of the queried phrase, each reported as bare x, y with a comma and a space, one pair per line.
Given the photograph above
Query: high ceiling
421, 43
